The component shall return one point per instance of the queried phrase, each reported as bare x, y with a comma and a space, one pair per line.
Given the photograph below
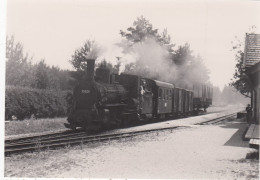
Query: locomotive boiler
96, 101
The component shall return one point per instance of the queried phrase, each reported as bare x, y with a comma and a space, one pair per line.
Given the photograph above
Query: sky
53, 29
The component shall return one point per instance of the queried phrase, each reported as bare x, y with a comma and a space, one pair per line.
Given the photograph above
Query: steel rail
75, 141
217, 120
36, 137
44, 138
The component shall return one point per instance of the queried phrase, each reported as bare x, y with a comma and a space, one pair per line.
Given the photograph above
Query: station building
254, 76
252, 70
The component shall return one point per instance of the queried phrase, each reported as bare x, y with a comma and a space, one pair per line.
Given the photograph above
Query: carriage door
146, 97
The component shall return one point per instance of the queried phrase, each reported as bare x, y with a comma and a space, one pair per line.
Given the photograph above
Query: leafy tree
182, 55
113, 69
21, 72
42, 78
51, 77
142, 29
54, 77
240, 80
88, 50
64, 79
19, 69
105, 64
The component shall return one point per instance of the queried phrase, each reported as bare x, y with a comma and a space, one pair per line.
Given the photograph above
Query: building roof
252, 50
163, 84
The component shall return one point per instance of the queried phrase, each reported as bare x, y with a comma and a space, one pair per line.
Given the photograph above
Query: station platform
252, 135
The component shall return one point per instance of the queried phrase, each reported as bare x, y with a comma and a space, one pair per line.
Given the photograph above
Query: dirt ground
212, 152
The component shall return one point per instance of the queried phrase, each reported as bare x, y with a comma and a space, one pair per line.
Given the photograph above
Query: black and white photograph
130, 89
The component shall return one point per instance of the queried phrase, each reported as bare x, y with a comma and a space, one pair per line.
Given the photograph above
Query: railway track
56, 140
48, 136
78, 139
218, 120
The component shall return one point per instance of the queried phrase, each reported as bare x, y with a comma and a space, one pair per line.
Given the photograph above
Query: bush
24, 102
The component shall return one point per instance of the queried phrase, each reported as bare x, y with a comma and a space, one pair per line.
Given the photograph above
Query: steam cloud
94, 52
154, 61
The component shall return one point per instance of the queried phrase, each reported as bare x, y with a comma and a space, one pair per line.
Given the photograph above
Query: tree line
229, 95
21, 72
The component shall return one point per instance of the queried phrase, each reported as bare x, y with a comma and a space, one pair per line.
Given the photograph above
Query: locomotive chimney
90, 69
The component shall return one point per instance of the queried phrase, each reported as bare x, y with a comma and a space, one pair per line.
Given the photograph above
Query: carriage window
160, 93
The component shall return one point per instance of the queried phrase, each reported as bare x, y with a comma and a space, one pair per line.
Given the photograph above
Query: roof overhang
163, 84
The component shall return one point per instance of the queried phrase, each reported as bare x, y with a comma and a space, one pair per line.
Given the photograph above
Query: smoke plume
153, 60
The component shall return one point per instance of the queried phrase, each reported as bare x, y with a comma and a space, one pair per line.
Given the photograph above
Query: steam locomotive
114, 100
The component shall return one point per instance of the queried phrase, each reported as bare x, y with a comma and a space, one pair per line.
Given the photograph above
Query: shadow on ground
237, 139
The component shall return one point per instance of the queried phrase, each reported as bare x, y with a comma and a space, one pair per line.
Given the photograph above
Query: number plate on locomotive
84, 91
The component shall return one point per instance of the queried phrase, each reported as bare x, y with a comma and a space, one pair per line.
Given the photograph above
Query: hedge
24, 102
